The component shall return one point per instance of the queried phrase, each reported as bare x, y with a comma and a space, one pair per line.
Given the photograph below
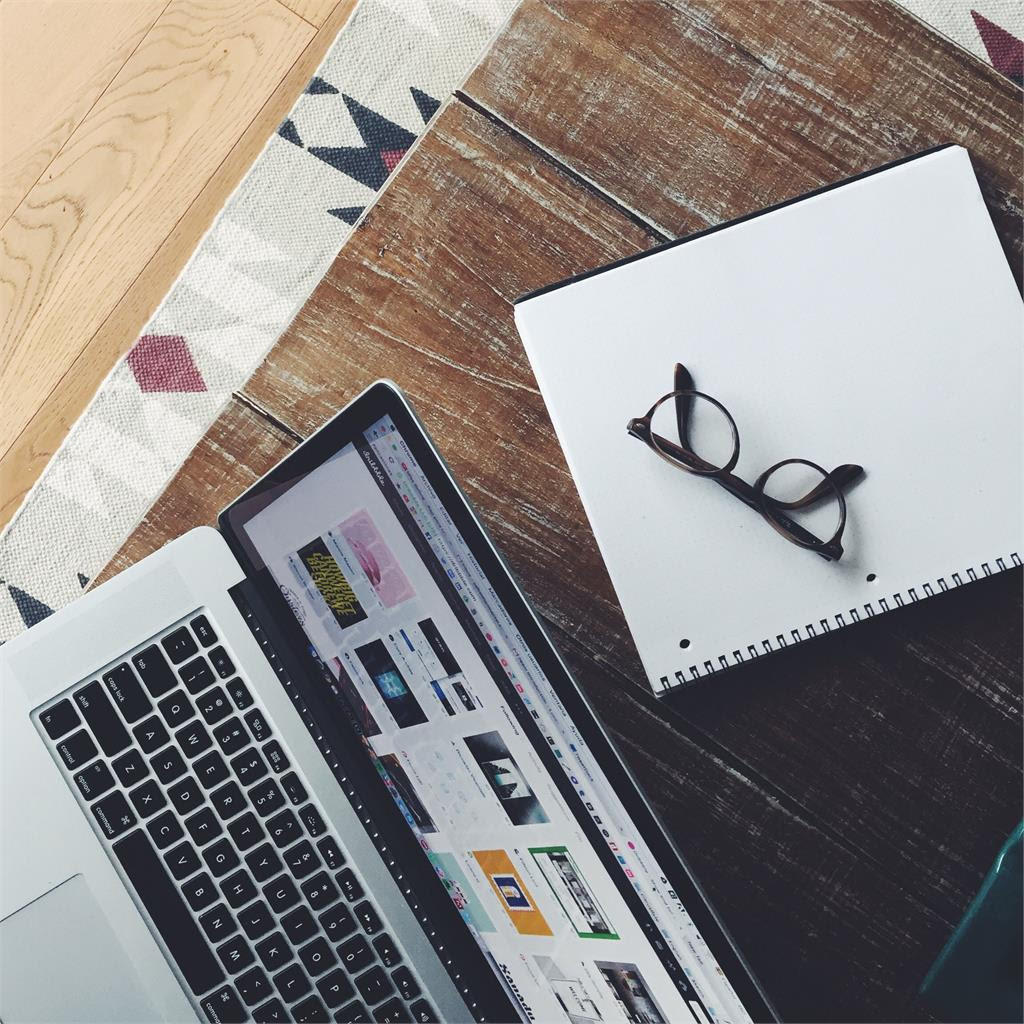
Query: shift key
103, 720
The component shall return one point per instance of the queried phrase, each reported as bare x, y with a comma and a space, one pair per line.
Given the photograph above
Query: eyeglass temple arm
682, 380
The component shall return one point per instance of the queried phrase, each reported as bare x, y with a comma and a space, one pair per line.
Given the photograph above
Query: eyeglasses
769, 503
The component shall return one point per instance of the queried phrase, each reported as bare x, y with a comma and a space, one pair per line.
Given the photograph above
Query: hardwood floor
124, 126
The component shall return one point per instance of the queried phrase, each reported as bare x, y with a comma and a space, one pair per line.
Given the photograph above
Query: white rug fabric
385, 75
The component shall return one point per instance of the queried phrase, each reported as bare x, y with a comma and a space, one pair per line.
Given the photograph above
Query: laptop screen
512, 808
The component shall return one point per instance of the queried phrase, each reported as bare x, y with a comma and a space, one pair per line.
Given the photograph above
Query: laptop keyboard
198, 803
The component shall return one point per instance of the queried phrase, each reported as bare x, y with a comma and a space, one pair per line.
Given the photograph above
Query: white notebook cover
876, 322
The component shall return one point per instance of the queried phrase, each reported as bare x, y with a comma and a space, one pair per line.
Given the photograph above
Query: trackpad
60, 961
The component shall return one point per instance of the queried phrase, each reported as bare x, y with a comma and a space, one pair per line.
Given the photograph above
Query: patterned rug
380, 83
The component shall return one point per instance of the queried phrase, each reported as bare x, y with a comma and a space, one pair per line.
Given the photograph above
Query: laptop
323, 764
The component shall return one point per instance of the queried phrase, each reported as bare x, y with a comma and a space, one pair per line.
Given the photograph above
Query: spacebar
171, 916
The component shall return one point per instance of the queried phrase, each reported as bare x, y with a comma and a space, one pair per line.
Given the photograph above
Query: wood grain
57, 58
31, 450
698, 112
316, 12
840, 800
853, 961
123, 179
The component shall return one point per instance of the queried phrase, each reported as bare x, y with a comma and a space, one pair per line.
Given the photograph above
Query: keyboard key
246, 831
213, 705
335, 988
113, 814
179, 645
353, 1013
253, 986
235, 955
151, 734
275, 757
266, 797
249, 767
299, 925
356, 954
231, 735
168, 765
77, 749
319, 890
301, 859
374, 985
203, 630
182, 861
105, 723
311, 819
185, 795
59, 720
256, 920
281, 894
203, 827
228, 800
292, 983
155, 672
405, 983
284, 829
271, 1012
263, 862
176, 708
218, 923
273, 951
239, 694
196, 675
337, 922
221, 662
392, 1012
221, 858
328, 847
127, 692
317, 956
349, 886
367, 917
424, 1013
193, 739
174, 923
165, 830
211, 770
309, 1011
147, 799
224, 1007
257, 725
94, 781
389, 955
199, 891
294, 788
239, 889
130, 768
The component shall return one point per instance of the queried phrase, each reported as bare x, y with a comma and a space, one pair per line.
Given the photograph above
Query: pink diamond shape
162, 362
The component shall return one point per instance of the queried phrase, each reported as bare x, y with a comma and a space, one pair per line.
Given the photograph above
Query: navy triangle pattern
289, 132
384, 145
318, 86
31, 609
83, 580
426, 105
349, 214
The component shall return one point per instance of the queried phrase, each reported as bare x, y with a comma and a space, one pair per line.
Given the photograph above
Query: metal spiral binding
686, 677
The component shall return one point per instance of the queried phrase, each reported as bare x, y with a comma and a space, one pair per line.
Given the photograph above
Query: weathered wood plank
694, 112
421, 293
235, 452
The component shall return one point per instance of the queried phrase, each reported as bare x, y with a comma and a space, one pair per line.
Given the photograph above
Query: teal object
979, 975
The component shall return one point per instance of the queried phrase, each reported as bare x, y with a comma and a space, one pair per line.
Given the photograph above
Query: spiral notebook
873, 322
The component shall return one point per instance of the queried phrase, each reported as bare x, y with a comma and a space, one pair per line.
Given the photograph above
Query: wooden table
842, 800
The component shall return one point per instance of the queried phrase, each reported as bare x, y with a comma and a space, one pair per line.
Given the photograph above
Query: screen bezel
383, 398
